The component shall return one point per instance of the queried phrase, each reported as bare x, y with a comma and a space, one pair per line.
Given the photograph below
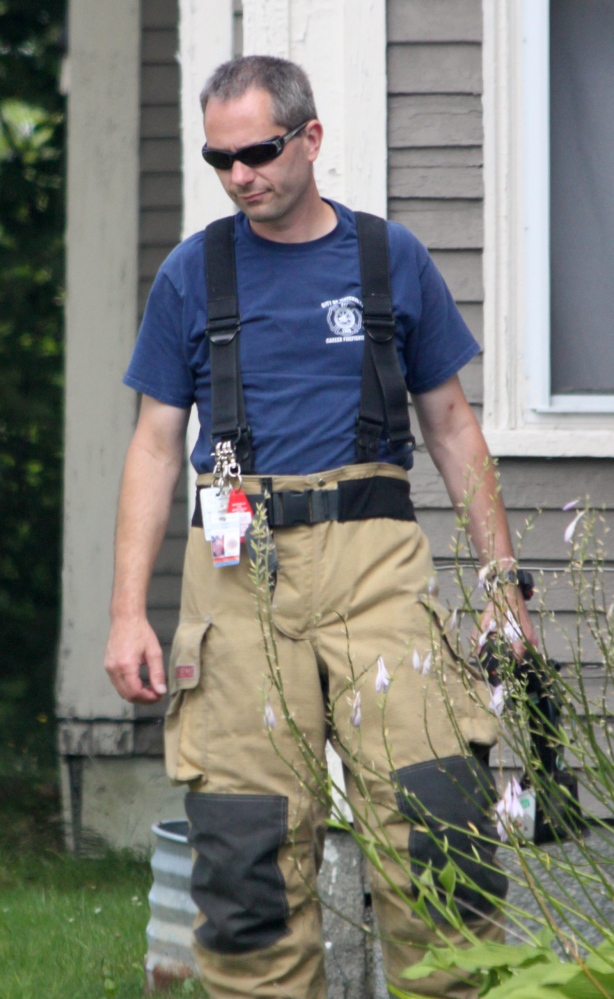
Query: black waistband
353, 499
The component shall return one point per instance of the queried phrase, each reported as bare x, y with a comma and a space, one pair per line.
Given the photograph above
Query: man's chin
259, 212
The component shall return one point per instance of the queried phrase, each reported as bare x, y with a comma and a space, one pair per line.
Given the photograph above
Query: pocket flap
185, 662
441, 618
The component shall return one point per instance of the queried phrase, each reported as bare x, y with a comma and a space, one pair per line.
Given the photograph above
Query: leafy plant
31, 374
563, 946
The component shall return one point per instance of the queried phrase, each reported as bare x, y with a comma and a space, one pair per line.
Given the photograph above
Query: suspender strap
228, 417
383, 402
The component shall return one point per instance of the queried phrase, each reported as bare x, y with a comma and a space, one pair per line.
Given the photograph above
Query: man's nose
240, 174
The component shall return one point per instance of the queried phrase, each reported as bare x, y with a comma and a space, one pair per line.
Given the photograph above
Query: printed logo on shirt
344, 318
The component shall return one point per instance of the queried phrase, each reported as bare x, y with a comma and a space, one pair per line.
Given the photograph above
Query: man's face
270, 192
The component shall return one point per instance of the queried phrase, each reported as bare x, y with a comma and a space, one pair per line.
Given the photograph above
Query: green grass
74, 929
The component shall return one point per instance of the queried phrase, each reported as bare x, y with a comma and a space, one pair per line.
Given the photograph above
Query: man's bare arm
152, 468
456, 444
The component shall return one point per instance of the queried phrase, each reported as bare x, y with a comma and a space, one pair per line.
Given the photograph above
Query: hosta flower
269, 715
490, 627
356, 716
571, 505
571, 528
421, 665
498, 697
509, 810
382, 680
451, 622
512, 629
483, 575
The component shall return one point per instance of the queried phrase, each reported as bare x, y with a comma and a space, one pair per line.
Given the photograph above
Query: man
354, 568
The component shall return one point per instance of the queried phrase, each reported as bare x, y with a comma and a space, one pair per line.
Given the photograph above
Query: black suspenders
383, 399
383, 402
229, 422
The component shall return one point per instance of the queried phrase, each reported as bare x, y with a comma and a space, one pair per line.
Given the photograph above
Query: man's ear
313, 136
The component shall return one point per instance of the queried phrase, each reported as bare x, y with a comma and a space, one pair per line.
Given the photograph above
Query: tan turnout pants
346, 595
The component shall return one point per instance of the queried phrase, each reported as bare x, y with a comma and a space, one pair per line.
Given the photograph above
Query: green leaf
529, 992
437, 959
447, 878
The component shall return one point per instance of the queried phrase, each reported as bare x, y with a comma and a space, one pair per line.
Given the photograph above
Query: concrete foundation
115, 801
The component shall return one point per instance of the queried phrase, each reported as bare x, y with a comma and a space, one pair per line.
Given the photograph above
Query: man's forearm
471, 481
146, 496
456, 444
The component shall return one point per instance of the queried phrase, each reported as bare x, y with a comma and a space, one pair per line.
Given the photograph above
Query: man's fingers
155, 664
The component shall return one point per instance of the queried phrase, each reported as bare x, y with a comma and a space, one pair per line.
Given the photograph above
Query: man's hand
132, 645
509, 616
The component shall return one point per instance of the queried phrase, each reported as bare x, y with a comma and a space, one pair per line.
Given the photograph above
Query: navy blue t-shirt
301, 340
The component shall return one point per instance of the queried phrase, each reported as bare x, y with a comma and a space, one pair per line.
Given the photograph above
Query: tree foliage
31, 361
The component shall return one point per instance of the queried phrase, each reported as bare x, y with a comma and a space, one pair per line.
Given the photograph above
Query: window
549, 219
582, 197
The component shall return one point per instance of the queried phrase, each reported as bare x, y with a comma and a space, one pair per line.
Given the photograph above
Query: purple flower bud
356, 716
571, 528
509, 810
382, 680
269, 715
498, 696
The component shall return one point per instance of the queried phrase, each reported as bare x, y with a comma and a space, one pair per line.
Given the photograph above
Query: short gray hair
288, 85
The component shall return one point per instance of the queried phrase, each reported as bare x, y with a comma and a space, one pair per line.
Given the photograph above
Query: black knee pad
236, 880
459, 792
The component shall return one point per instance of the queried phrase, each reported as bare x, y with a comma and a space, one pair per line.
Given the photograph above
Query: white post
101, 320
205, 41
342, 46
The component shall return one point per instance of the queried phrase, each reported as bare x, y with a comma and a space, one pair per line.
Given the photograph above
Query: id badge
239, 503
226, 539
212, 504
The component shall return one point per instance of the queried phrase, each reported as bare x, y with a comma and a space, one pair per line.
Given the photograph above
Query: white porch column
342, 46
205, 41
101, 320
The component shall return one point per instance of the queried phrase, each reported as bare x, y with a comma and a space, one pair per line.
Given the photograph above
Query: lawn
74, 929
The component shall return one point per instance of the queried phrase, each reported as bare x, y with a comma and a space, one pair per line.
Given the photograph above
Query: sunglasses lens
262, 152
217, 159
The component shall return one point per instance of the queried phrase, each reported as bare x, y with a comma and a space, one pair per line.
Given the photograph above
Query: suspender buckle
368, 436
381, 329
222, 331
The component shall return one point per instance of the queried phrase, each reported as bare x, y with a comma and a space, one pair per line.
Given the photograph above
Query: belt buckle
296, 508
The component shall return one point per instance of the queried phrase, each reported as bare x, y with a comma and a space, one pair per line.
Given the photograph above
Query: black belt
353, 499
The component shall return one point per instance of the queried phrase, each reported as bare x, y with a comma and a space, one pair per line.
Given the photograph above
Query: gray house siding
435, 184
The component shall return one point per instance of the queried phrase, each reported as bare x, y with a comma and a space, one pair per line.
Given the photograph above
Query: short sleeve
441, 343
158, 367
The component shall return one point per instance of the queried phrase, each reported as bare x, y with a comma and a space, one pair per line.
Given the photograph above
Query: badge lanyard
225, 508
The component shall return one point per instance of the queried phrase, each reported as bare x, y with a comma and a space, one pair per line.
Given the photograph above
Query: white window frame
521, 416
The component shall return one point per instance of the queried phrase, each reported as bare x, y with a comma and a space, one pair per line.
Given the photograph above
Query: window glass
582, 195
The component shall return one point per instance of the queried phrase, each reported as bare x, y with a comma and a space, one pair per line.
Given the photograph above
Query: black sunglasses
252, 156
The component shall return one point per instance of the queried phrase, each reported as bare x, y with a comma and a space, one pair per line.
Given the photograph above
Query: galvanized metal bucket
169, 931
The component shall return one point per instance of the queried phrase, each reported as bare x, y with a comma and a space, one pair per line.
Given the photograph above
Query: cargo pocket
474, 722
448, 803
185, 726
